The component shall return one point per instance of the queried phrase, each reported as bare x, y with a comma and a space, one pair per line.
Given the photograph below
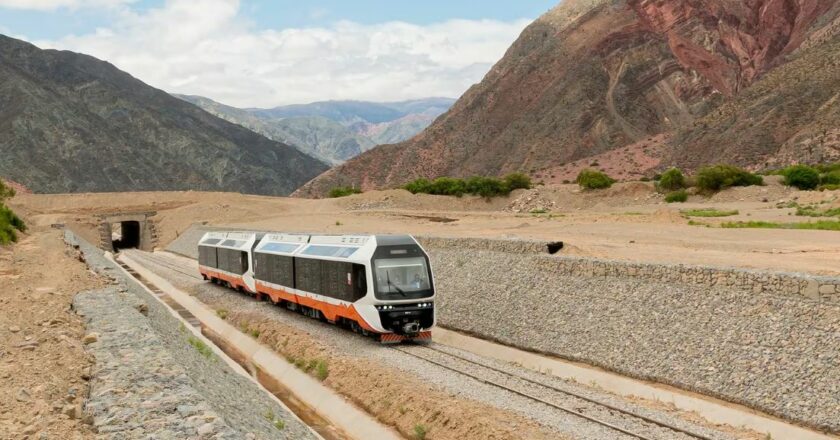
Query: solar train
380, 285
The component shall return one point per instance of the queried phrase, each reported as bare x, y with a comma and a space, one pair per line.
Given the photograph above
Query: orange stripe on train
331, 311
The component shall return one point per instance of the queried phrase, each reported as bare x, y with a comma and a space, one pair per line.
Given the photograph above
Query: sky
264, 53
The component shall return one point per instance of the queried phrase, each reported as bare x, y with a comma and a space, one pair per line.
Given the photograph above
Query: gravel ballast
195, 384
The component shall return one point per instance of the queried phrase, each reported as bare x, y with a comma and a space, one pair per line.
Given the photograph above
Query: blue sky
265, 14
263, 53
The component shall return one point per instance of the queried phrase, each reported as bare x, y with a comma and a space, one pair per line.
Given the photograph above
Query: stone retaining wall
742, 337
824, 289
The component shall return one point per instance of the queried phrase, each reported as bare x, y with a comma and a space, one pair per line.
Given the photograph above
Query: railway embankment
767, 340
153, 375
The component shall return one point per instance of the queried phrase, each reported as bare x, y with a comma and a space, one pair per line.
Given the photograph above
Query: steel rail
555, 389
159, 261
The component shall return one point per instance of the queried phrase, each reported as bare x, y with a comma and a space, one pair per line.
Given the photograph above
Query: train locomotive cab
379, 285
402, 285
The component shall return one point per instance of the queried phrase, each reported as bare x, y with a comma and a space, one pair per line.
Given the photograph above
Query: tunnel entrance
127, 230
125, 235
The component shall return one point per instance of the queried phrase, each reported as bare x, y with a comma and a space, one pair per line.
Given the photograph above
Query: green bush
828, 168
486, 187
516, 181
802, 177
719, 177
10, 225
591, 179
6, 192
831, 178
709, 212
677, 196
322, 370
344, 191
672, 180
420, 431
477, 185
419, 186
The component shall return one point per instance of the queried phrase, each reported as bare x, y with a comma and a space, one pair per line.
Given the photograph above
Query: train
377, 285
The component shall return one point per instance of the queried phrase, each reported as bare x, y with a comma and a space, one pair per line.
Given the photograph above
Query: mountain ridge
72, 123
592, 77
333, 131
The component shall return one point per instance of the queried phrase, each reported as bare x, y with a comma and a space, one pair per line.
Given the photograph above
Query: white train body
378, 284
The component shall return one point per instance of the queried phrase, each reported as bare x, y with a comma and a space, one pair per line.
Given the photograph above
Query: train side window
308, 275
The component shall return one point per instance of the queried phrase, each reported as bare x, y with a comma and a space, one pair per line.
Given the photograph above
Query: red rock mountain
635, 85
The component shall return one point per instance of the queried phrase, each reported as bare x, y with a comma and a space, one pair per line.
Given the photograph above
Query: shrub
719, 177
476, 185
486, 187
832, 178
10, 225
322, 370
200, 346
802, 177
344, 191
419, 186
672, 180
828, 168
677, 196
420, 431
516, 181
591, 179
6, 192
709, 212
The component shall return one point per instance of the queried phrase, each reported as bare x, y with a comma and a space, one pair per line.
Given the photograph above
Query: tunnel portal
127, 231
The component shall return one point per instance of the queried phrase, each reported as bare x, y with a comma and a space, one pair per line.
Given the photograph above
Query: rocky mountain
635, 85
71, 123
334, 131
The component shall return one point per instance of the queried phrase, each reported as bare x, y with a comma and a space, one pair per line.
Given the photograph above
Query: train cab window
402, 277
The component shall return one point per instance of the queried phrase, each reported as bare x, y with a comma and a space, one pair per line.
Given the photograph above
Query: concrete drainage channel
316, 405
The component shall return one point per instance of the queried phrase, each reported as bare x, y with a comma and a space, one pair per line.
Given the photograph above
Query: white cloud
52, 5
205, 47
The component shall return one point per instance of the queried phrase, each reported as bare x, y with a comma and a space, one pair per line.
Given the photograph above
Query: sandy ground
43, 366
628, 222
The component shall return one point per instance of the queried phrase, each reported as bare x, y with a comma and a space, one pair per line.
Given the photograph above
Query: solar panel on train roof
330, 251
286, 248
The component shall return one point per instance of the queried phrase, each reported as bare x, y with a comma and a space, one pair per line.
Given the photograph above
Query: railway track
160, 261
568, 401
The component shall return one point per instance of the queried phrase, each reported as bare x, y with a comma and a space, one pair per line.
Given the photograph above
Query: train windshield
398, 278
